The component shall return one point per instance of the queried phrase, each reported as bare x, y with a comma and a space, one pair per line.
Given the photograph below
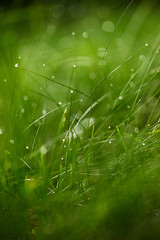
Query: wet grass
79, 122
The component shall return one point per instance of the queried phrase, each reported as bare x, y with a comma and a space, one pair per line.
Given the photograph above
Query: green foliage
79, 123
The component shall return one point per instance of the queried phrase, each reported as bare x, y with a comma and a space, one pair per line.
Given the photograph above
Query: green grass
79, 123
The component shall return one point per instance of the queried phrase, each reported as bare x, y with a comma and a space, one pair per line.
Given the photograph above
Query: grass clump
79, 126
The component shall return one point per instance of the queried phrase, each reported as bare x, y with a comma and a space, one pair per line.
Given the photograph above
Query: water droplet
131, 84
41, 88
120, 97
64, 146
60, 103
63, 140
110, 142
132, 69
143, 144
157, 51
1, 132
62, 158
71, 91
108, 26
25, 98
81, 100
44, 111
43, 150
43, 64
53, 77
19, 57
4, 80
109, 127
22, 110
27, 147
128, 106
74, 65
73, 33
16, 65
85, 35
11, 141
146, 44
136, 130
111, 84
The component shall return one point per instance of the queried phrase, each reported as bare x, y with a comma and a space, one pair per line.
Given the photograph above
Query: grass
79, 122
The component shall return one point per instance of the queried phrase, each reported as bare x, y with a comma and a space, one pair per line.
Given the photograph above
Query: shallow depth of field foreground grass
80, 122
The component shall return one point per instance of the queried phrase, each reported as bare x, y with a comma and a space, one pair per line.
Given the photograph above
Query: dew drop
111, 84
22, 110
73, 33
44, 111
71, 91
53, 77
110, 142
43, 150
63, 140
19, 57
128, 106
136, 130
62, 158
85, 35
120, 97
60, 103
1, 132
4, 80
27, 147
11, 141
43, 64
25, 98
143, 144
146, 44
131, 84
16, 65
74, 65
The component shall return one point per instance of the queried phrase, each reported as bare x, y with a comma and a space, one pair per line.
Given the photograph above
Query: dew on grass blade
4, 80
22, 110
131, 84
11, 141
73, 33
1, 132
85, 35
27, 147
53, 76
25, 98
43, 150
60, 103
44, 111
16, 65
143, 144
110, 142
120, 97
71, 91
74, 65
43, 64
136, 130
146, 44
